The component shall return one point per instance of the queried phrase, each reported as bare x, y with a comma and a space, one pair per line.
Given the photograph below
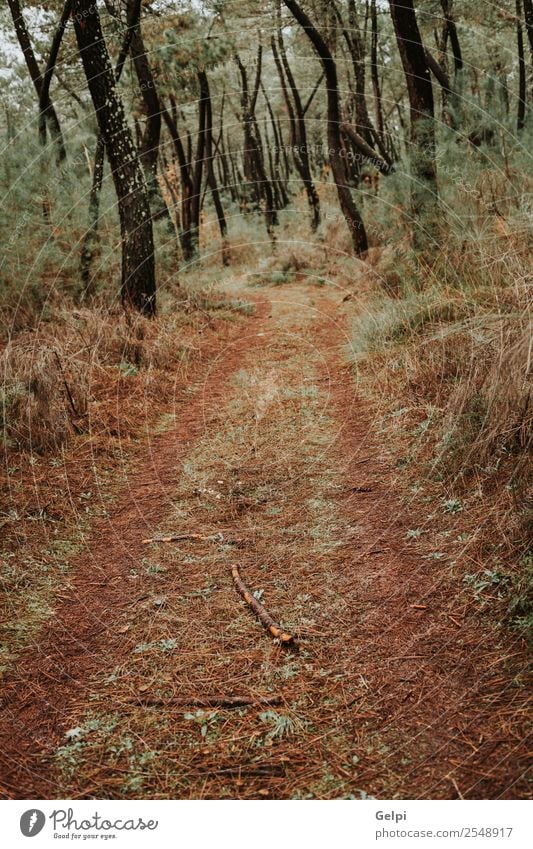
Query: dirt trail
391, 694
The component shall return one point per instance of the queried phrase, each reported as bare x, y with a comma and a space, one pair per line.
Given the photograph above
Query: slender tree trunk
374, 72
439, 72
521, 109
198, 173
31, 63
171, 189
456, 91
252, 187
356, 49
253, 160
301, 150
186, 183
348, 207
138, 265
365, 150
278, 142
314, 90
91, 234
226, 180
447, 8
44, 96
528, 18
205, 95
423, 166
149, 147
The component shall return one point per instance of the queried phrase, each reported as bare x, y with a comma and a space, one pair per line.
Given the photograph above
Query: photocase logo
32, 822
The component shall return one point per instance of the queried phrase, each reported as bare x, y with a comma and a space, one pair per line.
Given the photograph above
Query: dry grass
79, 394
50, 376
448, 351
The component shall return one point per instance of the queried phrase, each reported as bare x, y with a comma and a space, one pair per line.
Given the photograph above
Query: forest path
280, 465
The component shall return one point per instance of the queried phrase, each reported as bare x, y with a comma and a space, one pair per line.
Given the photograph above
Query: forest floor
277, 459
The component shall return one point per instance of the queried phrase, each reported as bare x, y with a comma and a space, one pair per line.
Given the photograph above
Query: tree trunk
90, 238
447, 8
37, 79
198, 173
226, 180
186, 183
91, 234
138, 265
423, 166
253, 160
348, 207
521, 109
528, 18
44, 96
300, 149
147, 141
365, 150
278, 142
205, 95
374, 74
456, 92
354, 41
149, 147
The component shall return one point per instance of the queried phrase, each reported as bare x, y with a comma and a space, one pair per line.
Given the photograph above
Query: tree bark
528, 19
31, 63
44, 96
364, 148
311, 97
138, 288
197, 174
226, 179
521, 108
277, 178
253, 161
423, 166
90, 238
91, 234
354, 42
186, 183
438, 71
374, 73
447, 8
149, 147
346, 202
205, 94
300, 148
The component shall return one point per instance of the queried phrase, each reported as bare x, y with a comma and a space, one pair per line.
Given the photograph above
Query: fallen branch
211, 701
239, 770
69, 394
262, 614
181, 537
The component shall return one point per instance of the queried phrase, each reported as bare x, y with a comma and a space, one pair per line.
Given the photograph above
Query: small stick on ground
199, 537
211, 701
262, 614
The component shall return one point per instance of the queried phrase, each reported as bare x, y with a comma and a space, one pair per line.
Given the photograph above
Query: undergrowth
448, 344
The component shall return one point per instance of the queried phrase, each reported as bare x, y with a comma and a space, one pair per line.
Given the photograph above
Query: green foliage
521, 598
